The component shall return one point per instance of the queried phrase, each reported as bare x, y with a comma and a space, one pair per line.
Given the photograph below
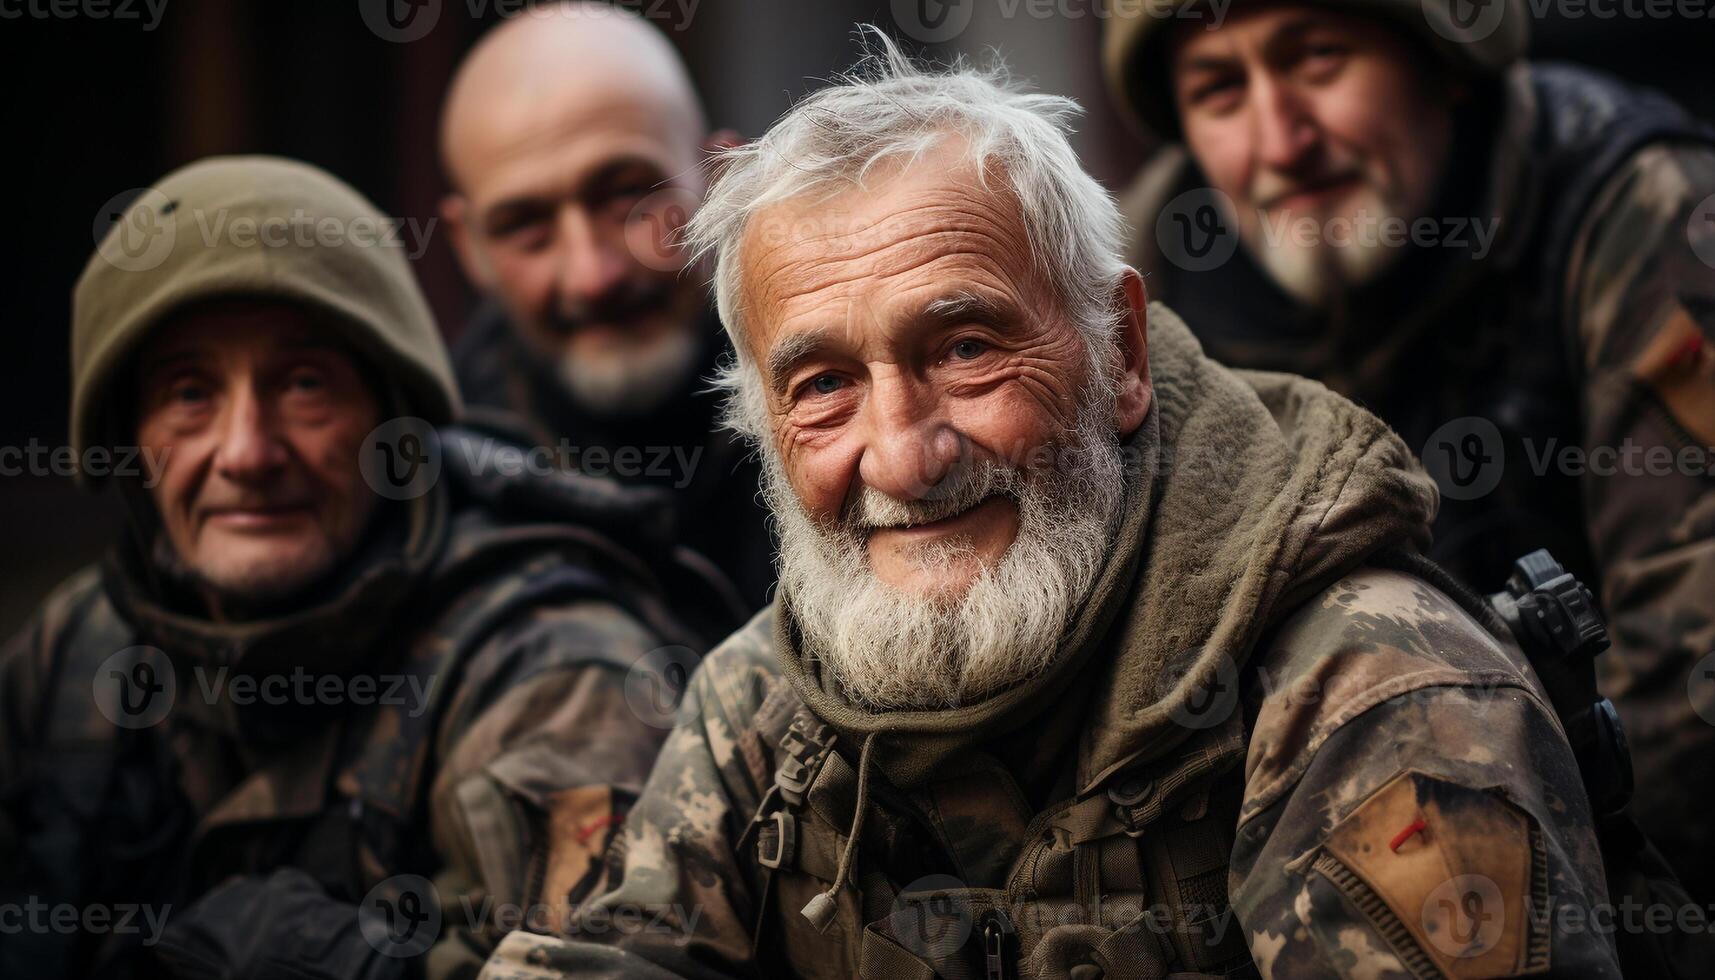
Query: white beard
889, 650
1315, 272
632, 382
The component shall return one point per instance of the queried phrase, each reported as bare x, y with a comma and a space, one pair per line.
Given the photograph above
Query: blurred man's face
573, 224
1297, 112
943, 477
259, 415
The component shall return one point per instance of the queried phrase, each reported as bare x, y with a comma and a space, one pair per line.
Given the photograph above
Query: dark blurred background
102, 97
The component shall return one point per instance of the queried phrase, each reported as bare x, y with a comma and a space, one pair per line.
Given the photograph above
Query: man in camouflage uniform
1512, 263
336, 656
1092, 657
574, 140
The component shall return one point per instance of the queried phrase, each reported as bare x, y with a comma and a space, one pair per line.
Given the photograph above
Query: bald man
573, 139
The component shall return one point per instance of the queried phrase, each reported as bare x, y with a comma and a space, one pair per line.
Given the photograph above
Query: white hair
889, 109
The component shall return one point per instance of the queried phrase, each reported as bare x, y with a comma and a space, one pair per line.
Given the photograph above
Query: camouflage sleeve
678, 904
1411, 806
539, 761
1643, 289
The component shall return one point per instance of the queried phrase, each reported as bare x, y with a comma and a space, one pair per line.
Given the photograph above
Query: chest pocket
1129, 882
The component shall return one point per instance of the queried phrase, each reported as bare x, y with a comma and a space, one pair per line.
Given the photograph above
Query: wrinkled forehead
558, 138
863, 257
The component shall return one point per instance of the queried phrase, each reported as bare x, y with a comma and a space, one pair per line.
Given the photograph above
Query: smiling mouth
260, 518
950, 523
1312, 192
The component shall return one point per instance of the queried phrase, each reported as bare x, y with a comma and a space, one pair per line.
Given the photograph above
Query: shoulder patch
1679, 366
581, 822
1453, 877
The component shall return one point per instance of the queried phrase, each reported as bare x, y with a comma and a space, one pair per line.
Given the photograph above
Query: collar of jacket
1247, 493
338, 632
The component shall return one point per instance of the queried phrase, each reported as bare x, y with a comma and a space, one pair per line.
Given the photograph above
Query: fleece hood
1247, 494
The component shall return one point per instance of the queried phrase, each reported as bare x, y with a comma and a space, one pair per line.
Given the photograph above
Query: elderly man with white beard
1091, 657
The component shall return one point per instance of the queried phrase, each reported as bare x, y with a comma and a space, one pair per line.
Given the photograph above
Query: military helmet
1474, 37
253, 227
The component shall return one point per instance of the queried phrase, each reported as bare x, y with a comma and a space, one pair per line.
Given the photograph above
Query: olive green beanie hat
1474, 37
256, 227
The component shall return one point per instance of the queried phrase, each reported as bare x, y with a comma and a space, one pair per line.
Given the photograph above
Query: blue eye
969, 350
826, 384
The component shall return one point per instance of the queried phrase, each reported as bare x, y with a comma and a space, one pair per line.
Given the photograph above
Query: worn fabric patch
581, 821
1456, 867
1679, 366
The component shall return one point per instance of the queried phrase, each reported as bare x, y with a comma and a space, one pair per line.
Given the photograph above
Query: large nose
250, 449
909, 444
1286, 134
593, 260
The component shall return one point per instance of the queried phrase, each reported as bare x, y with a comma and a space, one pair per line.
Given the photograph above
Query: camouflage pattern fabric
398, 813
1275, 754
1566, 403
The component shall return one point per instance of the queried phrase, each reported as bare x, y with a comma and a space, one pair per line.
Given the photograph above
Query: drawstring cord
820, 910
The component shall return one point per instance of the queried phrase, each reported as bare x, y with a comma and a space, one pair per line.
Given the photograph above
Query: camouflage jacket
1269, 746
1554, 362
379, 783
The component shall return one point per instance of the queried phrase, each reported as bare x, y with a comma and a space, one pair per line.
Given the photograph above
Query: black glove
282, 926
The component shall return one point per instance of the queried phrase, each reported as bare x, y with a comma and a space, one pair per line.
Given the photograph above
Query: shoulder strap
1590, 125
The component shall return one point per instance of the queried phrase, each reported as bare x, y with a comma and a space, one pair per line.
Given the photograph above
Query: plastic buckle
997, 939
783, 831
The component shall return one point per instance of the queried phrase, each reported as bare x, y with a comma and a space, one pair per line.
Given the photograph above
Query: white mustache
966, 487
